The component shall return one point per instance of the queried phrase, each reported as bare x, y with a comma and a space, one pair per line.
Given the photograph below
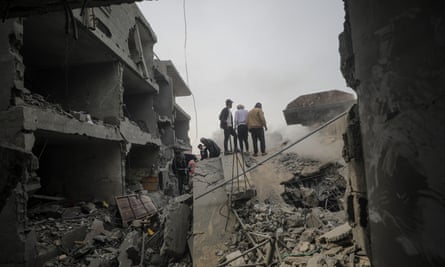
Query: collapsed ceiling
23, 8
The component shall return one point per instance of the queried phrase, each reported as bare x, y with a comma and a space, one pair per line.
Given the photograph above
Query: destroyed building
392, 55
86, 112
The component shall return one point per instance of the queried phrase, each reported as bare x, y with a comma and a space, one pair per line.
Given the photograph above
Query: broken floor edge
34, 118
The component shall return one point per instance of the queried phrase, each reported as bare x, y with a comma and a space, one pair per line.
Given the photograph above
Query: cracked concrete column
393, 56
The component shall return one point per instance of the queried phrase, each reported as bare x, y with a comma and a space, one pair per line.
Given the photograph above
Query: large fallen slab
209, 214
176, 228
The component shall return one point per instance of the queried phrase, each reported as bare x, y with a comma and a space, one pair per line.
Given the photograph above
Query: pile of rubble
99, 234
307, 230
314, 183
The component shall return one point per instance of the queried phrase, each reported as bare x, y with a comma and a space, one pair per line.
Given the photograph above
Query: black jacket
223, 118
212, 147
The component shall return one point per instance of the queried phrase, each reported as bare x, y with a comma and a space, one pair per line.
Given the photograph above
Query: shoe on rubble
255, 154
264, 154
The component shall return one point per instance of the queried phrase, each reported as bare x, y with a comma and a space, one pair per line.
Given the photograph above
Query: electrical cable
186, 68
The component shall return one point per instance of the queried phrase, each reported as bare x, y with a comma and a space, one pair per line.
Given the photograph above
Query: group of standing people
252, 121
245, 121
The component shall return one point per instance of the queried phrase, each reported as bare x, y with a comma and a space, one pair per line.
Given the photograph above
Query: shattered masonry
88, 118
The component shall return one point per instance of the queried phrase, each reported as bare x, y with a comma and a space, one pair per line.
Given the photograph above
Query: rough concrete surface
393, 54
209, 213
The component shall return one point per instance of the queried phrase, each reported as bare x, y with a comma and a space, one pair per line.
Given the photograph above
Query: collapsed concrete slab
177, 225
317, 108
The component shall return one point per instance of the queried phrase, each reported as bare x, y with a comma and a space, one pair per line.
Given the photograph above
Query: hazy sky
250, 51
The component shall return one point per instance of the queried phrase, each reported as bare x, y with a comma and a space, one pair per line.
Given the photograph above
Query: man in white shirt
241, 126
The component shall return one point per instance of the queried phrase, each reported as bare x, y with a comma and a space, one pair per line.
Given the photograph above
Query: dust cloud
324, 146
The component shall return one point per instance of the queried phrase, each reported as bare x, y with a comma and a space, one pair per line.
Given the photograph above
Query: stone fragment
308, 235
62, 257
295, 221
320, 260
303, 246
88, 208
238, 261
96, 228
313, 221
309, 197
339, 233
69, 238
129, 249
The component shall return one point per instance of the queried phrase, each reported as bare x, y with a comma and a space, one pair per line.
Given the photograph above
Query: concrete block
70, 237
129, 251
175, 232
337, 234
238, 262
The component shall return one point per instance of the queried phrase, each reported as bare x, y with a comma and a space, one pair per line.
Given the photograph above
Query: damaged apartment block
90, 118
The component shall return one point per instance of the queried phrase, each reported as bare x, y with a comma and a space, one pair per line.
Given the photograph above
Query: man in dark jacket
226, 123
211, 146
180, 168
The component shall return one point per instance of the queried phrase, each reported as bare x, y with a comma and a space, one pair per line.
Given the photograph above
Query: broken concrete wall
167, 135
142, 163
181, 130
19, 243
181, 126
164, 101
81, 169
93, 88
11, 65
12, 129
140, 109
16, 165
393, 55
356, 197
125, 31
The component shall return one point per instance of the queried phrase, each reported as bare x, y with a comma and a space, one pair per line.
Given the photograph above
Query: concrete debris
236, 258
78, 134
177, 225
308, 231
129, 250
317, 108
90, 234
314, 184
337, 234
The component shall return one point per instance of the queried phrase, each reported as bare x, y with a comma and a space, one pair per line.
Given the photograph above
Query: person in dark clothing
226, 123
180, 168
203, 152
211, 147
